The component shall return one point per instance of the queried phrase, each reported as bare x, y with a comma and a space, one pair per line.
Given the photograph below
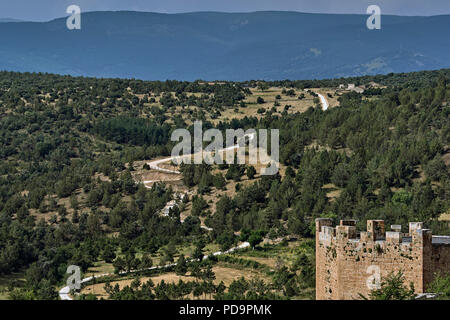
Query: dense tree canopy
66, 185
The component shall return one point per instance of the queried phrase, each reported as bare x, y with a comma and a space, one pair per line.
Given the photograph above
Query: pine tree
181, 267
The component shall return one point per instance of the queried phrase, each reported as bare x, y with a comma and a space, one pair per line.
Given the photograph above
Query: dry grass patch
225, 274
333, 192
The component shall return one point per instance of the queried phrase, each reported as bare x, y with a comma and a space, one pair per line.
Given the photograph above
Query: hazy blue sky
39, 10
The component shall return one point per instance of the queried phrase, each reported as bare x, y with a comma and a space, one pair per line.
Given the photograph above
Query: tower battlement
349, 263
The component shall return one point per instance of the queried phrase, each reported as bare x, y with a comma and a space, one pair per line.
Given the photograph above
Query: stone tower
350, 263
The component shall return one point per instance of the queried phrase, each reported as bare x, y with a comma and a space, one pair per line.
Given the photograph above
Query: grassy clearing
222, 271
251, 110
101, 267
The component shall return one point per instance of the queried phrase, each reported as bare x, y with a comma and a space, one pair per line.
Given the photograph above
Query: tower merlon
414, 226
345, 232
375, 229
422, 235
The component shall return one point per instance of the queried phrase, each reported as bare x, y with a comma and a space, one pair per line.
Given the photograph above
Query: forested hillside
68, 196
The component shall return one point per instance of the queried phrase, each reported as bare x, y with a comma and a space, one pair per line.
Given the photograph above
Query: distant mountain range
10, 20
226, 46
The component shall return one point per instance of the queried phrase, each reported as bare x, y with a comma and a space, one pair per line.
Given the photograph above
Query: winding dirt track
155, 163
64, 293
323, 101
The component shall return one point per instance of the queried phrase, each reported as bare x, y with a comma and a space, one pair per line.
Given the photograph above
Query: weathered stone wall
348, 265
326, 268
440, 262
